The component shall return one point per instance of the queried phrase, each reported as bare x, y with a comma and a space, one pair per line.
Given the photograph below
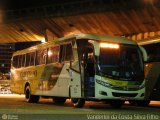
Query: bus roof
96, 37
149, 41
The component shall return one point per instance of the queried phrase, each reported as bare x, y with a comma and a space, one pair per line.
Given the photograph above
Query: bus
80, 67
152, 66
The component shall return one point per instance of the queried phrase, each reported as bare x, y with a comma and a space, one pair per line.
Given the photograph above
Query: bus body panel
152, 75
75, 84
152, 68
54, 81
22, 76
43, 80
105, 87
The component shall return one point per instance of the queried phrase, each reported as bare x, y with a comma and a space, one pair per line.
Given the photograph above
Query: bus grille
125, 88
124, 94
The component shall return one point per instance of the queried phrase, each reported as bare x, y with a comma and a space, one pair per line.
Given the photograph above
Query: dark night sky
19, 4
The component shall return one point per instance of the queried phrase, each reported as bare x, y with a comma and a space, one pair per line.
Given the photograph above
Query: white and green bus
80, 67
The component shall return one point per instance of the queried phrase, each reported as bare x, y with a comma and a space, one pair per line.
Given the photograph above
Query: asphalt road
14, 107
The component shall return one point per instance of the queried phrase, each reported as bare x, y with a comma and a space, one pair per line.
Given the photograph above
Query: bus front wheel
78, 102
116, 103
30, 98
132, 102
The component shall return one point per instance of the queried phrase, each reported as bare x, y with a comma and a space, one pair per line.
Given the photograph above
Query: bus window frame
15, 61
77, 58
39, 63
62, 57
30, 54
53, 47
23, 61
34, 58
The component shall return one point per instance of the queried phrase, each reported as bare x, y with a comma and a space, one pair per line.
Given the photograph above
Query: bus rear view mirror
144, 54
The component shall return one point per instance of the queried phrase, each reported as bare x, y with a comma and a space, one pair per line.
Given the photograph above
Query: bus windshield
124, 62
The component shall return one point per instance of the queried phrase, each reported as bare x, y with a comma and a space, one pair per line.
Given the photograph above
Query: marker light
43, 41
49, 53
109, 45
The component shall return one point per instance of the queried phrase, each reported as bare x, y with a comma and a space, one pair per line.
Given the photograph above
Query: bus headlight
105, 84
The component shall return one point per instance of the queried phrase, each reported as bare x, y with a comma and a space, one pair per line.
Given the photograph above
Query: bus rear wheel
143, 103
116, 103
78, 102
30, 98
59, 100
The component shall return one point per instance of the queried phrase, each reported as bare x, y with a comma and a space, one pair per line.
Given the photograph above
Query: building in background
6, 51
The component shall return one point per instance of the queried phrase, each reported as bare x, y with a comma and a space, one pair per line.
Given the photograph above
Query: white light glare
43, 41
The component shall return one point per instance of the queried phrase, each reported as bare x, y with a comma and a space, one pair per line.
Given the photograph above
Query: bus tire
132, 102
59, 100
116, 103
143, 103
78, 102
30, 98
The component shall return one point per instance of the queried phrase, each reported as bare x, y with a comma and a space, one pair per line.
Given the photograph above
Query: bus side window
27, 59
66, 52
61, 53
53, 54
19, 61
15, 61
30, 59
23, 60
75, 60
41, 57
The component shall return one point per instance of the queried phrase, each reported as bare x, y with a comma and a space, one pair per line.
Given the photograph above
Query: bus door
75, 74
89, 71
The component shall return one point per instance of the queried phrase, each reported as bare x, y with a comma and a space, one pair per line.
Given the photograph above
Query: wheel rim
27, 95
75, 100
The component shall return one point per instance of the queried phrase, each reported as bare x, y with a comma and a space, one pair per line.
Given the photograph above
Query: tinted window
23, 60
53, 54
30, 58
65, 52
153, 52
19, 61
41, 56
27, 59
15, 61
